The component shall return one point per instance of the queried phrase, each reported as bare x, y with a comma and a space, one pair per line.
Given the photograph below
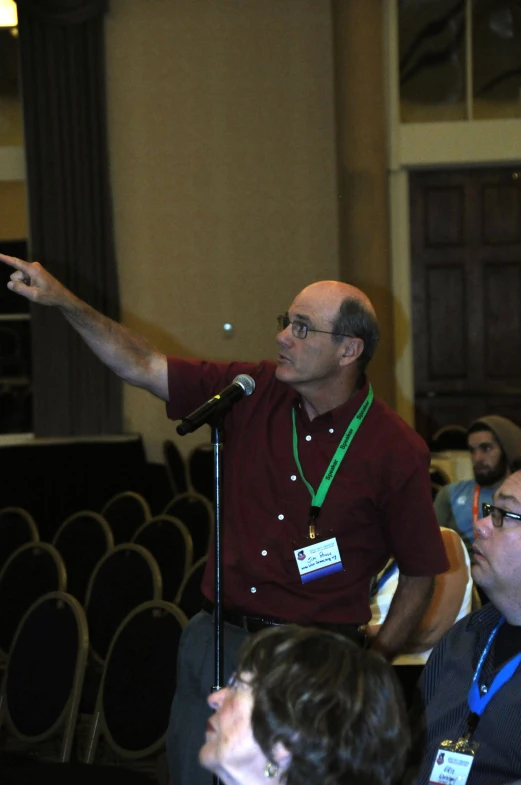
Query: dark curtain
69, 204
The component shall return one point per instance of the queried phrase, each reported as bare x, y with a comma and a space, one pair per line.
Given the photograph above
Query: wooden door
466, 288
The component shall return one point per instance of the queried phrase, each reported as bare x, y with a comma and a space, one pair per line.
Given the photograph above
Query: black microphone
218, 405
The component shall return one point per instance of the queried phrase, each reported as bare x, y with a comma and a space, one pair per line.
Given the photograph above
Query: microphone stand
217, 441
216, 424
213, 413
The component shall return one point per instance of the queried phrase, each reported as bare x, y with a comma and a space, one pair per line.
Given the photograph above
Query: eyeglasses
498, 515
237, 681
300, 329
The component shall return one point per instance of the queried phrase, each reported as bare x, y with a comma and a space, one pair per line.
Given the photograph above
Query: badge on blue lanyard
454, 759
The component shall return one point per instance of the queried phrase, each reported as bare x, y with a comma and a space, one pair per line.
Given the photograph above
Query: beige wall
13, 219
222, 146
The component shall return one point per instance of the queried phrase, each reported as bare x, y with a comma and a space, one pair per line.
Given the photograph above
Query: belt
256, 623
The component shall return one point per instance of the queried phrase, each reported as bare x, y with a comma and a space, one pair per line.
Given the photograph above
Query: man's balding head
351, 312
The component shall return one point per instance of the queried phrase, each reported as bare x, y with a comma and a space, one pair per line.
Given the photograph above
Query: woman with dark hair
307, 707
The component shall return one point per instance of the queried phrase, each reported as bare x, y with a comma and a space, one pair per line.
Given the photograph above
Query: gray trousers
190, 711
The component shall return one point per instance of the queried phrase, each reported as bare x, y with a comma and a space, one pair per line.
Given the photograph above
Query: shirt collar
341, 416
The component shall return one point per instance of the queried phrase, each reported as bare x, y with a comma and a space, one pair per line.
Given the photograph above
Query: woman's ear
281, 756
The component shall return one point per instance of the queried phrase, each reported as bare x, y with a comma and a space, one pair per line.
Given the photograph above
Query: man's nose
483, 528
285, 336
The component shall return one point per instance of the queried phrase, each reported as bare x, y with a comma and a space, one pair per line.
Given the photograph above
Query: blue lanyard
478, 702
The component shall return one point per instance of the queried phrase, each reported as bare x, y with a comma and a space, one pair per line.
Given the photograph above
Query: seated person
494, 444
471, 686
451, 600
307, 706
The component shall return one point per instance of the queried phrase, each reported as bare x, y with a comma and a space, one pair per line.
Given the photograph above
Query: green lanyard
317, 499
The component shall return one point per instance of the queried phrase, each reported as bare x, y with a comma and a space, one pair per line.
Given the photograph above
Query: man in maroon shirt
322, 483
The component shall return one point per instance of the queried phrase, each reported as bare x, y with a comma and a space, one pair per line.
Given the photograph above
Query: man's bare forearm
129, 355
122, 350
408, 606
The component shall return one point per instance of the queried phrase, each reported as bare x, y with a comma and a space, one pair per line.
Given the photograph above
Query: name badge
452, 765
318, 560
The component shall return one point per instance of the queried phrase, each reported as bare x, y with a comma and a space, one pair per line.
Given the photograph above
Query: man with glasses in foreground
471, 686
322, 484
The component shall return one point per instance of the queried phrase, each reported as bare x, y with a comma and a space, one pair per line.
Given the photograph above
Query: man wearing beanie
494, 443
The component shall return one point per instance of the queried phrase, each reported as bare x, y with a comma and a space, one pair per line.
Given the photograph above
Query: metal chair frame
176, 468
28, 520
68, 524
154, 571
135, 497
170, 509
99, 724
195, 567
69, 713
46, 548
169, 520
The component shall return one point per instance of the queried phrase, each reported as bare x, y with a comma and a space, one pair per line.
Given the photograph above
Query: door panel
466, 286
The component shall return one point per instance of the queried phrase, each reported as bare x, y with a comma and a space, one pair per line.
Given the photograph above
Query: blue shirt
462, 499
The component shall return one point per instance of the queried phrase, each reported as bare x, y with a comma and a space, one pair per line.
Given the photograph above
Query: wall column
362, 171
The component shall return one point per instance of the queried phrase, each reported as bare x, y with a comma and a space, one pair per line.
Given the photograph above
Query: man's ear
351, 351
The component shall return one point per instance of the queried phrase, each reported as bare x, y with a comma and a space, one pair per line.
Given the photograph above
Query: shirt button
253, 589
293, 477
331, 430
264, 553
281, 517
308, 438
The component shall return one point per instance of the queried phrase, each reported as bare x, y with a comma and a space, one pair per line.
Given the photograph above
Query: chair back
190, 597
449, 437
439, 476
201, 471
122, 580
175, 467
196, 512
138, 682
33, 570
170, 543
44, 675
17, 527
125, 513
476, 599
82, 540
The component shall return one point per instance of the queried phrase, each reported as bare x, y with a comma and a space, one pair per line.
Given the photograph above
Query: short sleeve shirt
378, 504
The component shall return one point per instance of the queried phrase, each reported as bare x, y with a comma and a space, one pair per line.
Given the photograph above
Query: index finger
12, 261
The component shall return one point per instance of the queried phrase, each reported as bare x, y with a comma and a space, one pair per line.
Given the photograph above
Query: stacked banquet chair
201, 470
124, 578
31, 571
127, 659
17, 527
192, 504
170, 543
190, 597
132, 706
44, 676
196, 512
175, 468
125, 513
82, 540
